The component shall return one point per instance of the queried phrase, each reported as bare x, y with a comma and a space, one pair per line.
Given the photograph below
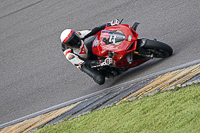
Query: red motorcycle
121, 43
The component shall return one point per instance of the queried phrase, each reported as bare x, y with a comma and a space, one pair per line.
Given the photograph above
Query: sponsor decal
83, 50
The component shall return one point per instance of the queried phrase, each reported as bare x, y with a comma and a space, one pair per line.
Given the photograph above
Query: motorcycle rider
79, 53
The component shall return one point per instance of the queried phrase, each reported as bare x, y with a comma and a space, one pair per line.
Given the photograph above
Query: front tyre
158, 49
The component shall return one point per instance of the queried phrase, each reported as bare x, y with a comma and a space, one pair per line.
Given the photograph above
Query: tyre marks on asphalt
21, 9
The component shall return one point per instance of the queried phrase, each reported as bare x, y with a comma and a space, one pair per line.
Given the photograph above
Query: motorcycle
121, 43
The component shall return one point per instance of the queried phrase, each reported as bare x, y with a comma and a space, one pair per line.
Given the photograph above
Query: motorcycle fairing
122, 41
115, 38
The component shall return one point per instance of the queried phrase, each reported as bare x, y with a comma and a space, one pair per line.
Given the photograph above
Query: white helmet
70, 38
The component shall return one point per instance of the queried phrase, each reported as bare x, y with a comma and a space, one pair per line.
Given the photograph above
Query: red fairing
100, 47
120, 39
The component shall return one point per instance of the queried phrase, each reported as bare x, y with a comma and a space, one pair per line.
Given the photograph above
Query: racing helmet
70, 38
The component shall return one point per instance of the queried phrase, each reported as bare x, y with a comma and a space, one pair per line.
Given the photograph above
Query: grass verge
171, 111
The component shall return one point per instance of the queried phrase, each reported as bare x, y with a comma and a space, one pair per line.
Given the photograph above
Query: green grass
171, 111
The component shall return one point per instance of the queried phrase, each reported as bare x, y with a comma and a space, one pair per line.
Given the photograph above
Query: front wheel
158, 49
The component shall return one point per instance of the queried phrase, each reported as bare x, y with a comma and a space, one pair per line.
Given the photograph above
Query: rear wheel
158, 49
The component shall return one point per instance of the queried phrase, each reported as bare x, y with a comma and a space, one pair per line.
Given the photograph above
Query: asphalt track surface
34, 73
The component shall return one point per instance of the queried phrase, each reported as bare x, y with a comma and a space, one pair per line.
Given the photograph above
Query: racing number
112, 39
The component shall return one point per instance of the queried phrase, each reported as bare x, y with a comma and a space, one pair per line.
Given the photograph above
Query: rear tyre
158, 49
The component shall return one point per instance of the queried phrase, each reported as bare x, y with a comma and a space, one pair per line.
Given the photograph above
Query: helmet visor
74, 41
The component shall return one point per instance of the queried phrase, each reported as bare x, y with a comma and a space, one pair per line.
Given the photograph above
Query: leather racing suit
83, 58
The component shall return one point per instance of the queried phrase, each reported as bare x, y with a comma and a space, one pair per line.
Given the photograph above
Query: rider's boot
93, 73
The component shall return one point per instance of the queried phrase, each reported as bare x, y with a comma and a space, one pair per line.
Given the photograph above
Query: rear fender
141, 43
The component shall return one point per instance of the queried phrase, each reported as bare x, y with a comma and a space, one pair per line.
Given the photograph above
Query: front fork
144, 55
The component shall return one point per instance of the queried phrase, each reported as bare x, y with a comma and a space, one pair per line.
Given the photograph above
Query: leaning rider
79, 53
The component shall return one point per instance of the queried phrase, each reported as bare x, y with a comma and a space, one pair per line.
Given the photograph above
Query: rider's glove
108, 61
114, 22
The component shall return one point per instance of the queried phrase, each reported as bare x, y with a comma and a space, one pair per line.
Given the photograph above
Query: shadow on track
131, 73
